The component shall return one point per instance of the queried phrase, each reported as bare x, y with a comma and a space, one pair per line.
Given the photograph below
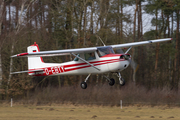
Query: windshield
104, 51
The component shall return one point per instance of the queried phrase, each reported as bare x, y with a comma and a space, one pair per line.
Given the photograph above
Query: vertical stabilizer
34, 62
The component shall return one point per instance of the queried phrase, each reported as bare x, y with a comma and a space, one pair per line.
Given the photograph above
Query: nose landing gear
121, 80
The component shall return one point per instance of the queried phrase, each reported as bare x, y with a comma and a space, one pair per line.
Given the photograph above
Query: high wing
140, 43
57, 52
90, 49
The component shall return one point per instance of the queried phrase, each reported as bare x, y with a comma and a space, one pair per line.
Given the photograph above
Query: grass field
71, 112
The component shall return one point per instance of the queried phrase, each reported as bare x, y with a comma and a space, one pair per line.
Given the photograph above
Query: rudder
34, 62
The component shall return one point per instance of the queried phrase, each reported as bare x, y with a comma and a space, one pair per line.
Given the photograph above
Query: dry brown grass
83, 112
96, 102
103, 95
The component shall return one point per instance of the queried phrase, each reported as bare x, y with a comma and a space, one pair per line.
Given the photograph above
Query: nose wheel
121, 80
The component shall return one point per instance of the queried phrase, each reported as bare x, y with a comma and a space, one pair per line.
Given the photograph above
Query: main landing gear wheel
111, 82
83, 85
121, 81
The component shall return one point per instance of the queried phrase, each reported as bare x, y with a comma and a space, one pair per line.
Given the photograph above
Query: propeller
133, 64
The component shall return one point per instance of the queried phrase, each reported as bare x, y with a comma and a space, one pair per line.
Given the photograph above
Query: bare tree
102, 16
175, 76
91, 20
25, 6
134, 38
2, 12
84, 28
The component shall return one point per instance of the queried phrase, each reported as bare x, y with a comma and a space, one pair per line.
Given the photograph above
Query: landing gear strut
121, 80
84, 84
111, 81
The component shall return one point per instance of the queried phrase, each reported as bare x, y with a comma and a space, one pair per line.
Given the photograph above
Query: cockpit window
104, 51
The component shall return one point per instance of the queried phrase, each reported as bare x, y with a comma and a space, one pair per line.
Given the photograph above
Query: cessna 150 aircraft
92, 60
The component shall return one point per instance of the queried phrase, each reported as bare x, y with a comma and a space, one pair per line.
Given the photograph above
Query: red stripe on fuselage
78, 64
95, 64
67, 68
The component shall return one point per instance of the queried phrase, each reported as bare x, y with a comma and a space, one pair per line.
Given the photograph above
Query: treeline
65, 24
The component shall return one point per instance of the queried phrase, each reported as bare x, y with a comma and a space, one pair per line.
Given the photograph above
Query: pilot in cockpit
92, 56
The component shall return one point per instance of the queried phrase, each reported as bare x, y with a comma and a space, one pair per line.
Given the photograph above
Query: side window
89, 56
76, 59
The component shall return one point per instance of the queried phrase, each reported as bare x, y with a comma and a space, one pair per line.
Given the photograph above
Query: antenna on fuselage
101, 40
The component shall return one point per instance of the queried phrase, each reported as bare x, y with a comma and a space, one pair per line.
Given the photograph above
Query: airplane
87, 61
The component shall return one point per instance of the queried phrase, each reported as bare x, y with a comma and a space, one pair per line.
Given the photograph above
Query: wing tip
13, 56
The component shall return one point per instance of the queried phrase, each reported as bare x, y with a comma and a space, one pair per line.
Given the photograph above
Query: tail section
34, 62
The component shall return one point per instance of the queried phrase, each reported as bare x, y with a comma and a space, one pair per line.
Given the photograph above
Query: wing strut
85, 61
128, 50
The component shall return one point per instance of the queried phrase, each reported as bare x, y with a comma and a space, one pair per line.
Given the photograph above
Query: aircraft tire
83, 85
122, 82
112, 82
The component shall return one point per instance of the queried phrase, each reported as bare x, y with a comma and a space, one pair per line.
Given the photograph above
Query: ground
78, 112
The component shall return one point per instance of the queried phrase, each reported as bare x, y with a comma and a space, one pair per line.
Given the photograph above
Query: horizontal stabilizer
40, 70
44, 55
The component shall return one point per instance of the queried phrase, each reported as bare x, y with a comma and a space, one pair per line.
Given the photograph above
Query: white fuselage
108, 63
101, 61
